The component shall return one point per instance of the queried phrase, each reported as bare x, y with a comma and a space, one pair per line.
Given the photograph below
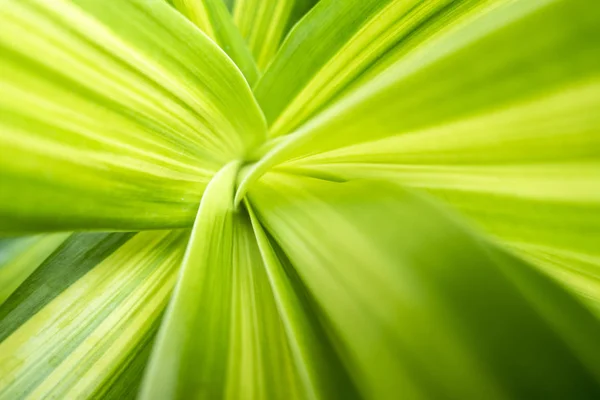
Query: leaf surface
416, 303
125, 107
19, 257
518, 152
222, 336
340, 43
85, 316
264, 24
495, 116
511, 55
213, 17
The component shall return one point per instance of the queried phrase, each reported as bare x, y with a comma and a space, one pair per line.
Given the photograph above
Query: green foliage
373, 199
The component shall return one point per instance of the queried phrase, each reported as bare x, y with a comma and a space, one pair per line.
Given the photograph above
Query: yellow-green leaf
512, 142
83, 318
508, 56
19, 257
320, 369
264, 23
216, 21
113, 115
222, 336
498, 118
342, 42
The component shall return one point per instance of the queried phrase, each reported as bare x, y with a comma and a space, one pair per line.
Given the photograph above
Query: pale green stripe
20, 257
74, 258
263, 23
78, 342
122, 105
505, 58
319, 367
521, 175
192, 344
222, 336
347, 40
577, 272
215, 20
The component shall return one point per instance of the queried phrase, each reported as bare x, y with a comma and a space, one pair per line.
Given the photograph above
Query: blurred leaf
417, 304
510, 139
264, 24
517, 151
300, 280
85, 316
216, 21
113, 115
19, 257
320, 369
229, 4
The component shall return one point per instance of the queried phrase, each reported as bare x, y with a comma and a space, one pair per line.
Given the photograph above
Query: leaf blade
73, 337
216, 21
375, 275
141, 119
19, 257
264, 24
222, 336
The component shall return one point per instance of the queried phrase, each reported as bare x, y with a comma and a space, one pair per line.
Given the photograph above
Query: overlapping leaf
118, 114
264, 23
530, 180
19, 257
495, 116
510, 55
113, 115
417, 304
343, 42
215, 20
83, 322
222, 336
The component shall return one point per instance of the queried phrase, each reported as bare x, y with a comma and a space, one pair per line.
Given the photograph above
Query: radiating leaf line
72, 260
347, 40
319, 368
526, 51
528, 179
313, 269
75, 344
19, 257
173, 108
576, 272
216, 21
466, 320
222, 335
264, 24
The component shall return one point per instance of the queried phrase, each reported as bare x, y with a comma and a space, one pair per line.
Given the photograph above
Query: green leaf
416, 303
500, 122
515, 148
216, 21
342, 42
532, 181
264, 24
320, 369
222, 335
530, 48
19, 257
85, 317
229, 4
110, 108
